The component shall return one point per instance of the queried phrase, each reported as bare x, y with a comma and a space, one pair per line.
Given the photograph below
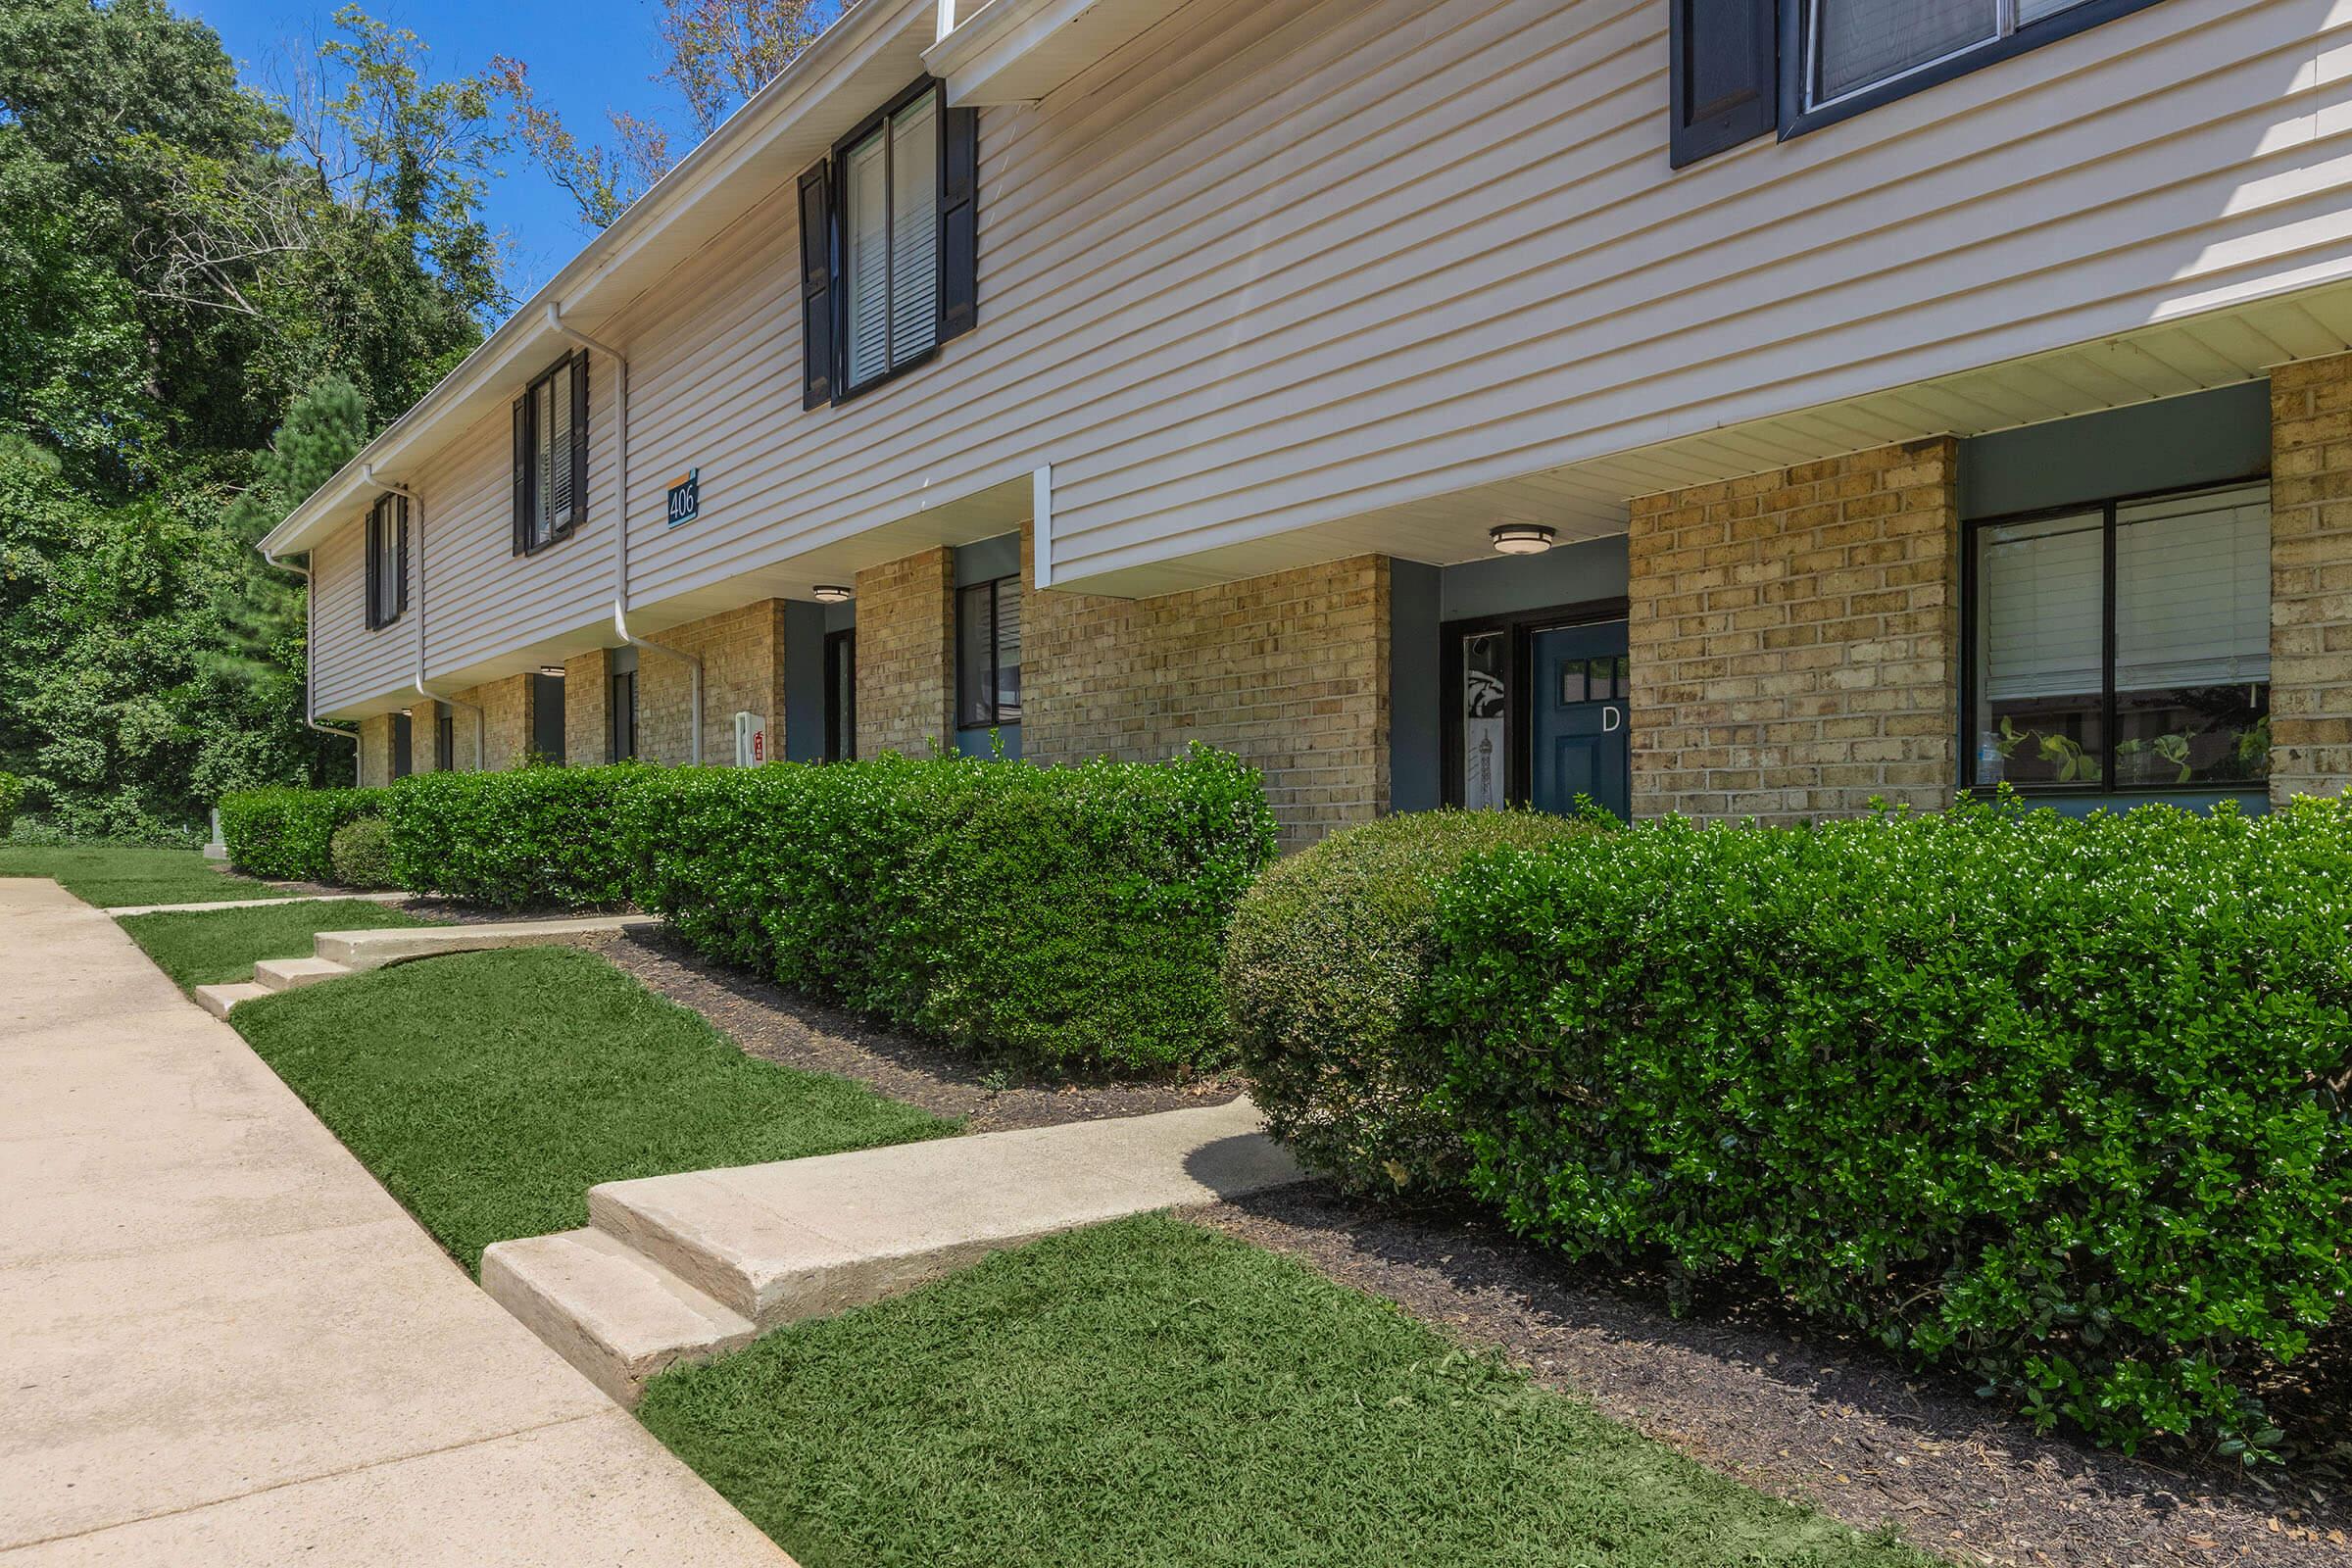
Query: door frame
841, 703
1520, 626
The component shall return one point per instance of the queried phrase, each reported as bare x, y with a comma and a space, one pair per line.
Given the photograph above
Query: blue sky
585, 56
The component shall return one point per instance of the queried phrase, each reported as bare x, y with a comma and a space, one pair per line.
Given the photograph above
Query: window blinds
1008, 651
2192, 591
914, 229
2040, 609
865, 189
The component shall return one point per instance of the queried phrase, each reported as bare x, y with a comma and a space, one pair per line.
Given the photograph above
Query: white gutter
481, 722
621, 523
310, 607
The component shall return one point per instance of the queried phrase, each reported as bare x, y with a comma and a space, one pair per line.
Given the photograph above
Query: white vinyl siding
890, 218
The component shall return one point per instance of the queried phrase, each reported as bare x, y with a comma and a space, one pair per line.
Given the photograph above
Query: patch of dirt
782, 1026
1802, 1411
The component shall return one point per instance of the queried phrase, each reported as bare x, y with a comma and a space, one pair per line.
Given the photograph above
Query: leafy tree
715, 54
186, 267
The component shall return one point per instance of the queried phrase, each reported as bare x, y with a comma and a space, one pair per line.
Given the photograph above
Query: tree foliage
716, 54
209, 296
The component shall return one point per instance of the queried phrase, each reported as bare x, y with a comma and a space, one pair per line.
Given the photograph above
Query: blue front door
1577, 711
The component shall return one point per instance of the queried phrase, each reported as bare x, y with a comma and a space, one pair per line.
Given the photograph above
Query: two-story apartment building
1725, 405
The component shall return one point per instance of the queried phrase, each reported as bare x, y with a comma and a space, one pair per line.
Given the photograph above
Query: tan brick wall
1290, 671
375, 752
588, 709
506, 724
2311, 577
1795, 636
424, 737
742, 669
906, 653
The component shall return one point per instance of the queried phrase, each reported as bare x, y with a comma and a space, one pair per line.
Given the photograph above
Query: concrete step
372, 950
806, 1237
289, 974
217, 1000
609, 1310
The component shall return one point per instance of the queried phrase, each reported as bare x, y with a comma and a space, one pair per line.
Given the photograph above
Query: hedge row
2059, 1103
529, 838
288, 834
1072, 916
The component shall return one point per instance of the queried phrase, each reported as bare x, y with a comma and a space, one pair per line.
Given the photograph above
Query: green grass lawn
1151, 1392
489, 1091
110, 875
218, 946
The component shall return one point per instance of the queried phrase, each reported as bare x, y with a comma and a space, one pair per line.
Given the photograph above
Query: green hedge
2061, 1103
1327, 976
288, 834
1066, 916
530, 838
12, 797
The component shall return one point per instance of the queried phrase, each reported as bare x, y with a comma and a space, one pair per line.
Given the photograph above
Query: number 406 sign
686, 498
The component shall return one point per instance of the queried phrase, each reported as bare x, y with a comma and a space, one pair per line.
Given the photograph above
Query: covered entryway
1537, 709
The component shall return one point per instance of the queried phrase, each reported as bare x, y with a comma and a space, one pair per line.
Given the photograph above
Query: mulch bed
783, 1027
1799, 1410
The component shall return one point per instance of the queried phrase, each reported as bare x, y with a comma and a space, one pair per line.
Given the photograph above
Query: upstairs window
988, 655
1854, 44
888, 244
1744, 69
387, 561
2123, 646
551, 454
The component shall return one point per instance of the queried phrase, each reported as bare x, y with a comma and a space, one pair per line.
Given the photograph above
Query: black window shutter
402, 598
959, 224
522, 473
375, 553
579, 440
1726, 75
817, 379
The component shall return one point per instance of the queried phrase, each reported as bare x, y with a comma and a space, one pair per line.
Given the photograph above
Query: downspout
481, 725
620, 525
310, 606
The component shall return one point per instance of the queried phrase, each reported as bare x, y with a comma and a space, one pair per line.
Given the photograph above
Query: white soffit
1018, 51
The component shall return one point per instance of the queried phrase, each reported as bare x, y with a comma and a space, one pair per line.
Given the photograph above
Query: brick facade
743, 670
375, 752
2311, 577
905, 655
1289, 671
424, 739
506, 724
1795, 638
588, 709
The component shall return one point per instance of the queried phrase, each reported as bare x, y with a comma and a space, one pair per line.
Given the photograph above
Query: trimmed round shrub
533, 837
12, 797
288, 834
1326, 975
361, 852
2059, 1103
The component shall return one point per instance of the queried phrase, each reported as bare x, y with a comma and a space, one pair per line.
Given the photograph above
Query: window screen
1859, 42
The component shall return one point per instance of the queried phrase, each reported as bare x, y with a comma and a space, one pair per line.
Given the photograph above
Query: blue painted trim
986, 559
2254, 803
977, 742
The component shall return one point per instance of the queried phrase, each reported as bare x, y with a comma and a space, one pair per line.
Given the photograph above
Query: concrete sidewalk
221, 1341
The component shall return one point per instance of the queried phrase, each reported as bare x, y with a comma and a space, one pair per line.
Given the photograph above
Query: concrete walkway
260, 904
223, 1343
